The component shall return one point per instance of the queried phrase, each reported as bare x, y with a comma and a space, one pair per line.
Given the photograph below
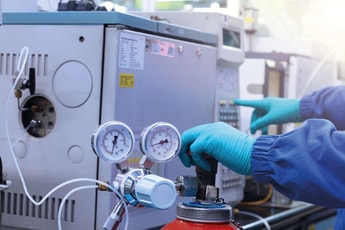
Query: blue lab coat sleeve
305, 164
327, 103
308, 164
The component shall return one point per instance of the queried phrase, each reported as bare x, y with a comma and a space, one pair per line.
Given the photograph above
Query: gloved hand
226, 144
272, 110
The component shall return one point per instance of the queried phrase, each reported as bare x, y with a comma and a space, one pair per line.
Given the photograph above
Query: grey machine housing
90, 68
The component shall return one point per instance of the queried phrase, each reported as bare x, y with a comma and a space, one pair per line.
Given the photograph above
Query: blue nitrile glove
226, 144
272, 110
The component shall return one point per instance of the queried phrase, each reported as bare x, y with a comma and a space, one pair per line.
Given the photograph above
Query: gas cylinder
193, 215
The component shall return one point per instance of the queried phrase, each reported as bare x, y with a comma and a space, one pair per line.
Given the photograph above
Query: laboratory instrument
113, 141
160, 142
110, 67
138, 186
230, 56
141, 188
94, 81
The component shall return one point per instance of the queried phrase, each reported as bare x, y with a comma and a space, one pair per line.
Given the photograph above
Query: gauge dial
160, 142
113, 141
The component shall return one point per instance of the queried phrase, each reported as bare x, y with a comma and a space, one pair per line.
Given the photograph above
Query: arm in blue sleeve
327, 103
306, 164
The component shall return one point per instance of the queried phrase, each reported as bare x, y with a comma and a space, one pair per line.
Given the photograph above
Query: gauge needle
114, 142
161, 142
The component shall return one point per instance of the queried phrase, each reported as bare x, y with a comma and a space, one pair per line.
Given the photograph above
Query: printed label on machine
131, 51
159, 47
126, 80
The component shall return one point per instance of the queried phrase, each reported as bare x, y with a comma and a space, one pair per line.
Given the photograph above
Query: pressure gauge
160, 142
113, 141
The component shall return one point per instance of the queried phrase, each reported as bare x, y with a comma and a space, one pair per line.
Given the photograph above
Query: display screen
231, 38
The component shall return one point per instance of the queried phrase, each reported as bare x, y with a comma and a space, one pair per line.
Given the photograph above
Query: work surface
299, 216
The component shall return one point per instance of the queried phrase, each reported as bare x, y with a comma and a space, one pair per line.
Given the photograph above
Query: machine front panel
65, 109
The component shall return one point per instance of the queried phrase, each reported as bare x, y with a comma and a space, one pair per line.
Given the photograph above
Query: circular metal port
38, 116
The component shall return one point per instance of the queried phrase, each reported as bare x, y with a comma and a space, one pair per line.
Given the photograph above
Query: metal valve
139, 187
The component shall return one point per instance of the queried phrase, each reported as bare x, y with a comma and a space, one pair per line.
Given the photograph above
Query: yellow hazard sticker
126, 80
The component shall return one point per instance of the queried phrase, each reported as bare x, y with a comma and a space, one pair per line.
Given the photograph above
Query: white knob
155, 192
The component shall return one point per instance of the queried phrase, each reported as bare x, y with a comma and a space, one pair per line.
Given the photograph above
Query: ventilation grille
17, 204
9, 62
